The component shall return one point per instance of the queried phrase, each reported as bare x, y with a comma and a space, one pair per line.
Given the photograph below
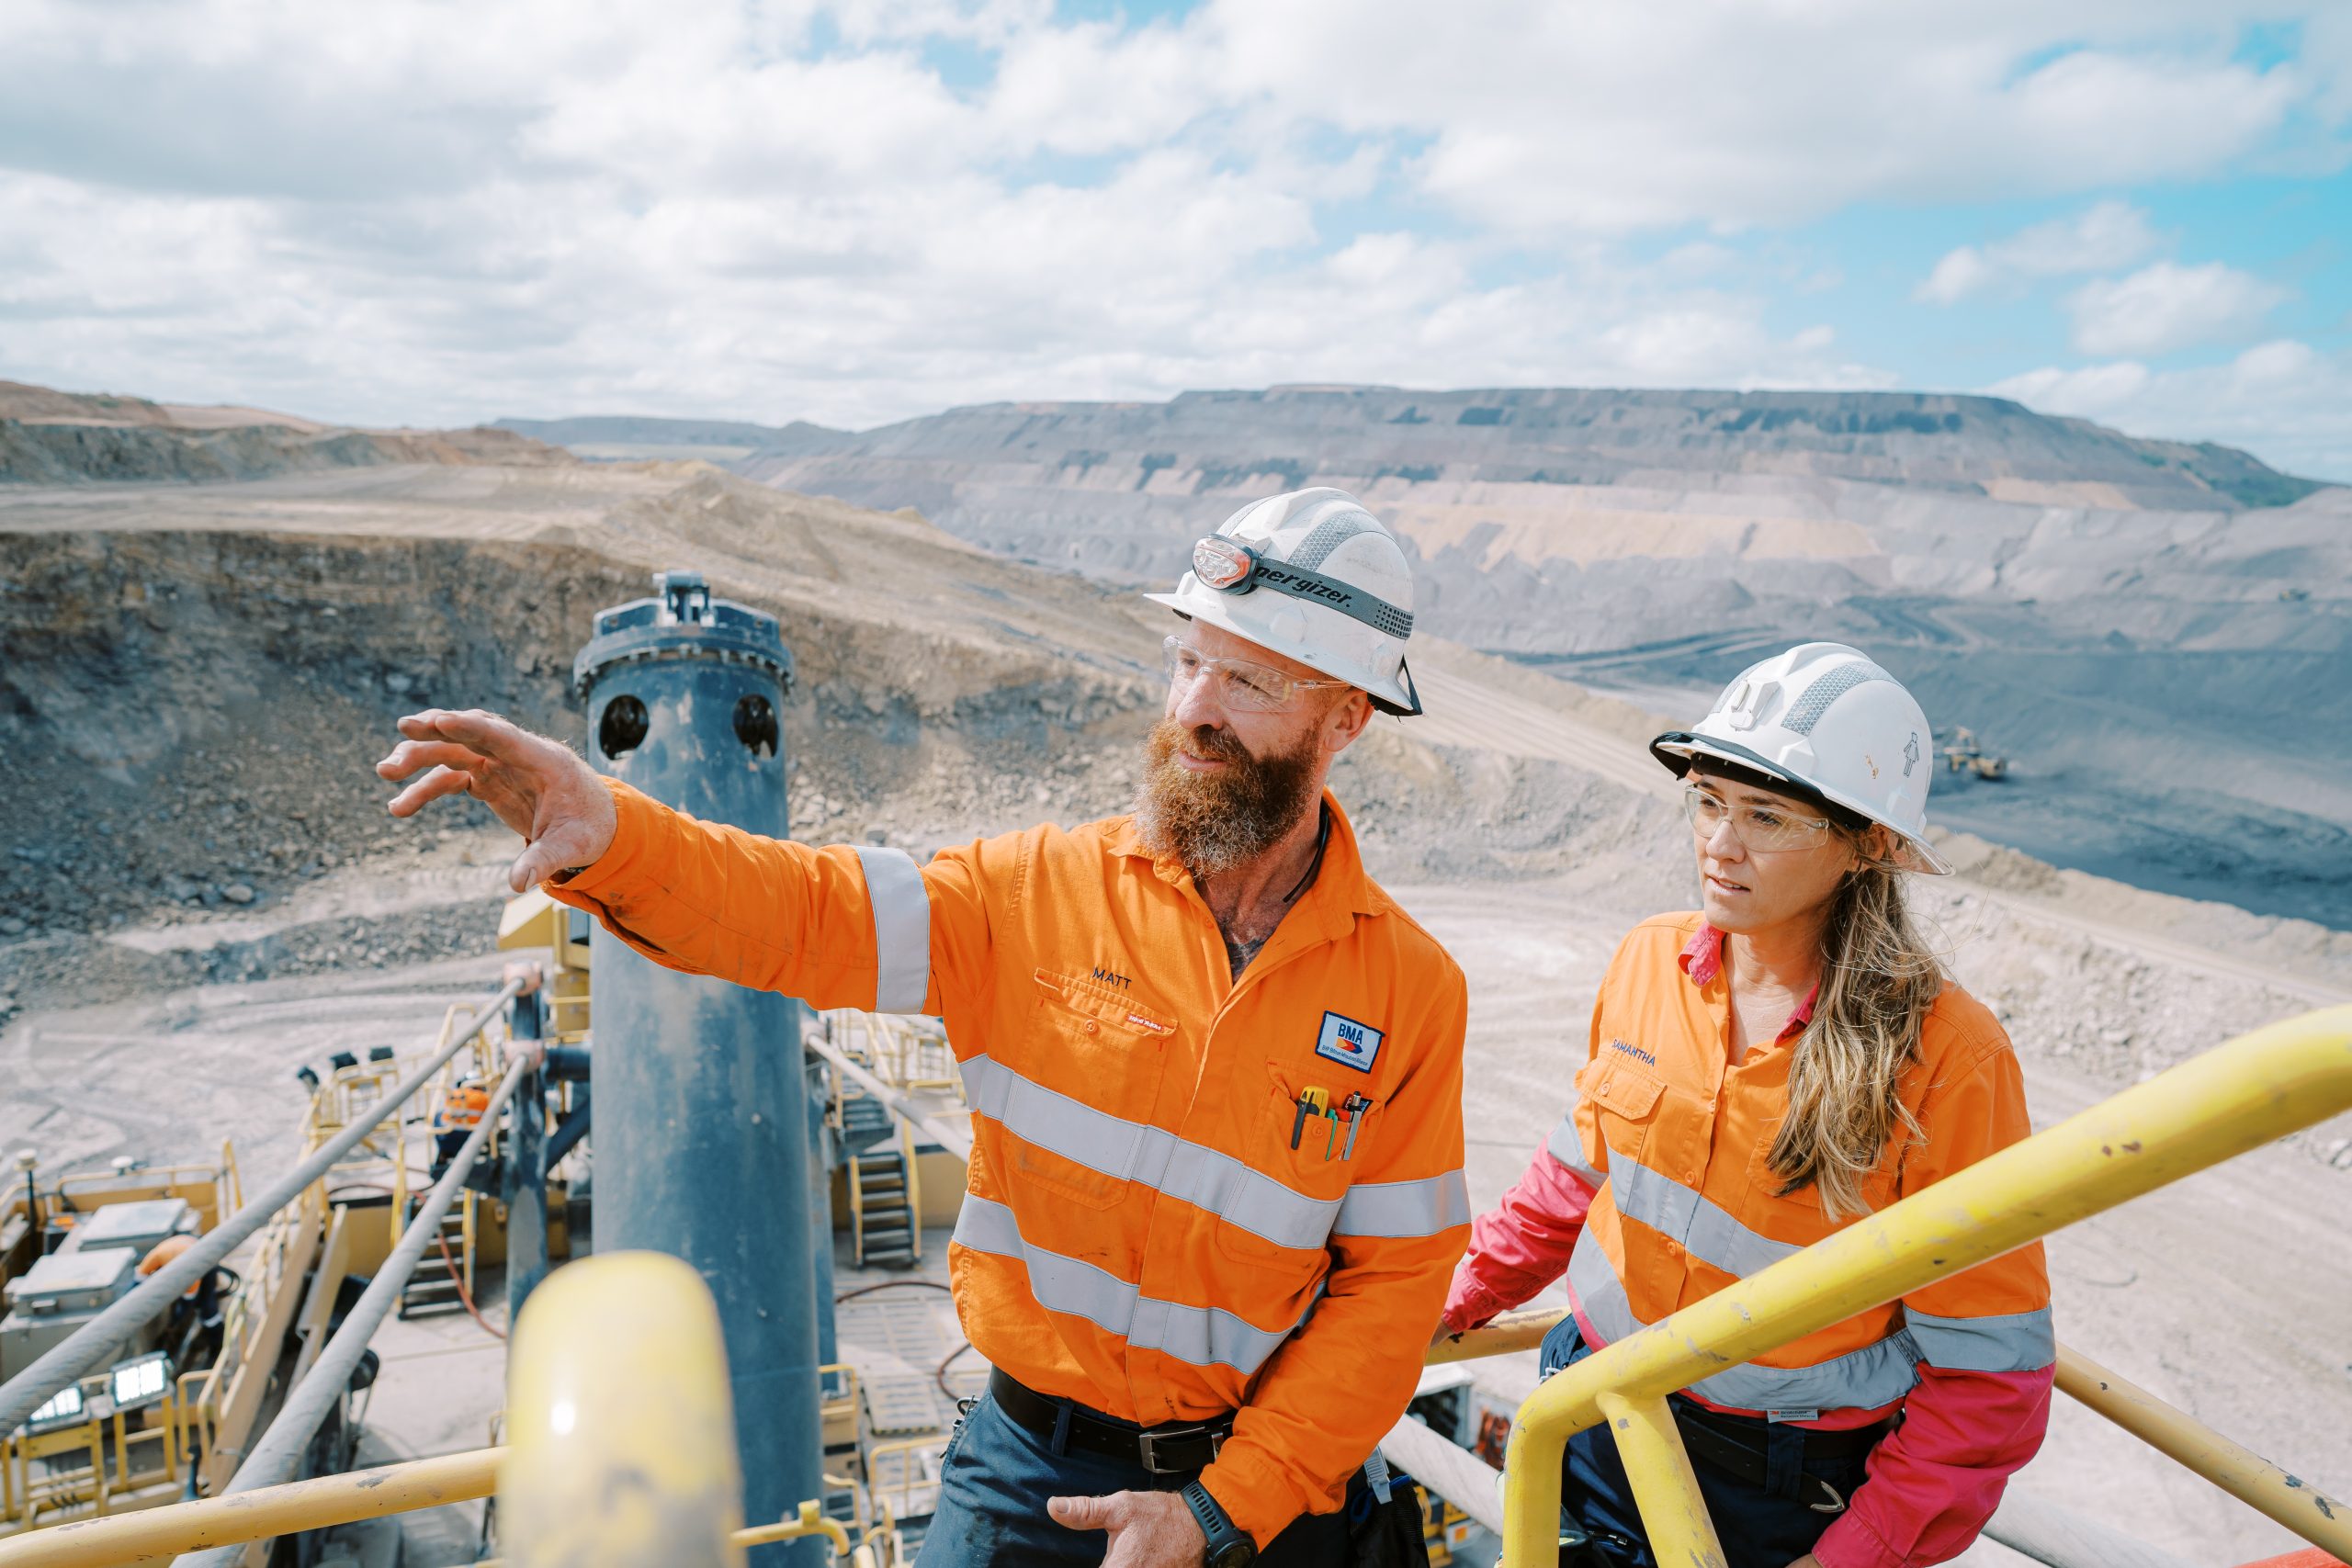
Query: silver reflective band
1202, 1336
901, 929
1867, 1379
1401, 1209
1566, 1146
2016, 1342
1698, 1225
1130, 1151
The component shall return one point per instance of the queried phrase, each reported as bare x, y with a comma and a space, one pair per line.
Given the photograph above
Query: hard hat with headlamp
1822, 722
1314, 577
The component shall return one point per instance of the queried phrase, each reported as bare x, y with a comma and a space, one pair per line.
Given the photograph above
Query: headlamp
1225, 564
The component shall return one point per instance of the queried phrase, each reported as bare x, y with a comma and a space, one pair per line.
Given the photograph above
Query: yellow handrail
811, 1521
1507, 1332
616, 1460
259, 1514
2256, 1087
2240, 1472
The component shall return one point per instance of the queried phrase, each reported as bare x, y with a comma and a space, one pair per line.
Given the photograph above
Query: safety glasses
1762, 828
1240, 683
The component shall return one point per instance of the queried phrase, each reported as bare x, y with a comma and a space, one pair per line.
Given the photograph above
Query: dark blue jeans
1760, 1526
996, 1476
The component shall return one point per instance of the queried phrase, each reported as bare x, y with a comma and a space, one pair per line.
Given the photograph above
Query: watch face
1234, 1554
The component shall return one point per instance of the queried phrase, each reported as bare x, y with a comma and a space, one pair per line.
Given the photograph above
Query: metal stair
881, 1207
865, 1122
432, 1289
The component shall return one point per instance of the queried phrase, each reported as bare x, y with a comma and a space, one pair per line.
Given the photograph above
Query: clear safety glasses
1239, 685
1758, 827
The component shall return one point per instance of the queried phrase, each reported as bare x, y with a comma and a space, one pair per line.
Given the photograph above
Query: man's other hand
539, 787
1148, 1529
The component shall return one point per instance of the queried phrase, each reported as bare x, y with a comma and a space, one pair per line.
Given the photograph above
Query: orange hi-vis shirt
1676, 1141
1139, 1233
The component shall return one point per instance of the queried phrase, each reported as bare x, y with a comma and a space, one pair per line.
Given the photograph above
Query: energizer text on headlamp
1230, 567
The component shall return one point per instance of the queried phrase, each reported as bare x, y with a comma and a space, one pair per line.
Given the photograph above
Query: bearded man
1214, 1072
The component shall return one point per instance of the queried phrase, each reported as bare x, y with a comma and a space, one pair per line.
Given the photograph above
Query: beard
1215, 822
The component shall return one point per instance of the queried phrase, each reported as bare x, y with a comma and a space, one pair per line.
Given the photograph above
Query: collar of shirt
1703, 960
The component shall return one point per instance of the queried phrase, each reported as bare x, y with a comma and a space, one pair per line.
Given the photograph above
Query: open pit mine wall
80, 452
184, 713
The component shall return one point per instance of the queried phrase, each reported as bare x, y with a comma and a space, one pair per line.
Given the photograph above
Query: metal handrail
96, 1341
276, 1457
2256, 1087
897, 1101
259, 1514
2239, 1471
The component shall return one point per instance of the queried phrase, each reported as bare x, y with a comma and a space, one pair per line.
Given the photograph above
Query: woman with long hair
1763, 1072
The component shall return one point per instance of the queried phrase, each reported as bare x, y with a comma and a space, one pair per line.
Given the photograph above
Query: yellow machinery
594, 1395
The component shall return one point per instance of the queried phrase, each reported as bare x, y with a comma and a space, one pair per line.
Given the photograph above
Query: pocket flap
1628, 1093
1101, 1002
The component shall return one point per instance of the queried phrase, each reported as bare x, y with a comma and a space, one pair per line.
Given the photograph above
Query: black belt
1713, 1440
1175, 1448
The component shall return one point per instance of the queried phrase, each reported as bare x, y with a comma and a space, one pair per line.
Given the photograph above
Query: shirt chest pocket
1084, 1140
1625, 1103
1275, 1205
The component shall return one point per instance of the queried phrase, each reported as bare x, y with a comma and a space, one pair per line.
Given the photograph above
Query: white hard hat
1313, 575
1825, 718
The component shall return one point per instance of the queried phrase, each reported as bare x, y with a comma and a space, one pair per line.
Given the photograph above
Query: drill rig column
702, 1121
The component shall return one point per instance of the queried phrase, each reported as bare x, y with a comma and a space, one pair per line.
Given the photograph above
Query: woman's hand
1807, 1561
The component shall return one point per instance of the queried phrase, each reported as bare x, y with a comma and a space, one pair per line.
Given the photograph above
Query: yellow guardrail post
2256, 1087
2243, 1473
620, 1428
1674, 1516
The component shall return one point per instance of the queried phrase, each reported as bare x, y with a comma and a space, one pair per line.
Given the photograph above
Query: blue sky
859, 210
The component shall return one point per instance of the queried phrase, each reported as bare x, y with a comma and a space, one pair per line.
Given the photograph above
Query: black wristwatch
1230, 1545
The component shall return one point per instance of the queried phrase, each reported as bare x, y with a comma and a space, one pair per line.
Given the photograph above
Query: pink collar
1702, 960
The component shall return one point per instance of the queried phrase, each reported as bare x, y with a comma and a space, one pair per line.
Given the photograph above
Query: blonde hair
1879, 980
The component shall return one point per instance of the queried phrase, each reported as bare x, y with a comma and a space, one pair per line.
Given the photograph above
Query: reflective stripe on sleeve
1867, 1379
1132, 1151
1202, 1336
1405, 1208
901, 929
1703, 1229
2017, 1342
1567, 1146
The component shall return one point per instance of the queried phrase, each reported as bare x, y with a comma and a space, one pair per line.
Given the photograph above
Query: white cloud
2105, 235
419, 211
2286, 401
2166, 307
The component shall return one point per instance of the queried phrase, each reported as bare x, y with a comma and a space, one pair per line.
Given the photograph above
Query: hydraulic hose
92, 1344
273, 1459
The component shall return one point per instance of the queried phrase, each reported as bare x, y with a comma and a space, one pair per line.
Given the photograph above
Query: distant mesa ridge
1214, 441
52, 437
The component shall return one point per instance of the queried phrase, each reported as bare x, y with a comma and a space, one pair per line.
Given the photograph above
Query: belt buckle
1148, 1444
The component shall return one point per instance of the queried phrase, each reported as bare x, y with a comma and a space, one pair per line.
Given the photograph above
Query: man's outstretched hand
537, 786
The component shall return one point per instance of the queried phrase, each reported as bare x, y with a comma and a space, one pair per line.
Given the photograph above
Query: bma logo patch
1349, 1044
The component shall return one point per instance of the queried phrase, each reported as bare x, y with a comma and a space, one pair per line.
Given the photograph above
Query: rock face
50, 437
